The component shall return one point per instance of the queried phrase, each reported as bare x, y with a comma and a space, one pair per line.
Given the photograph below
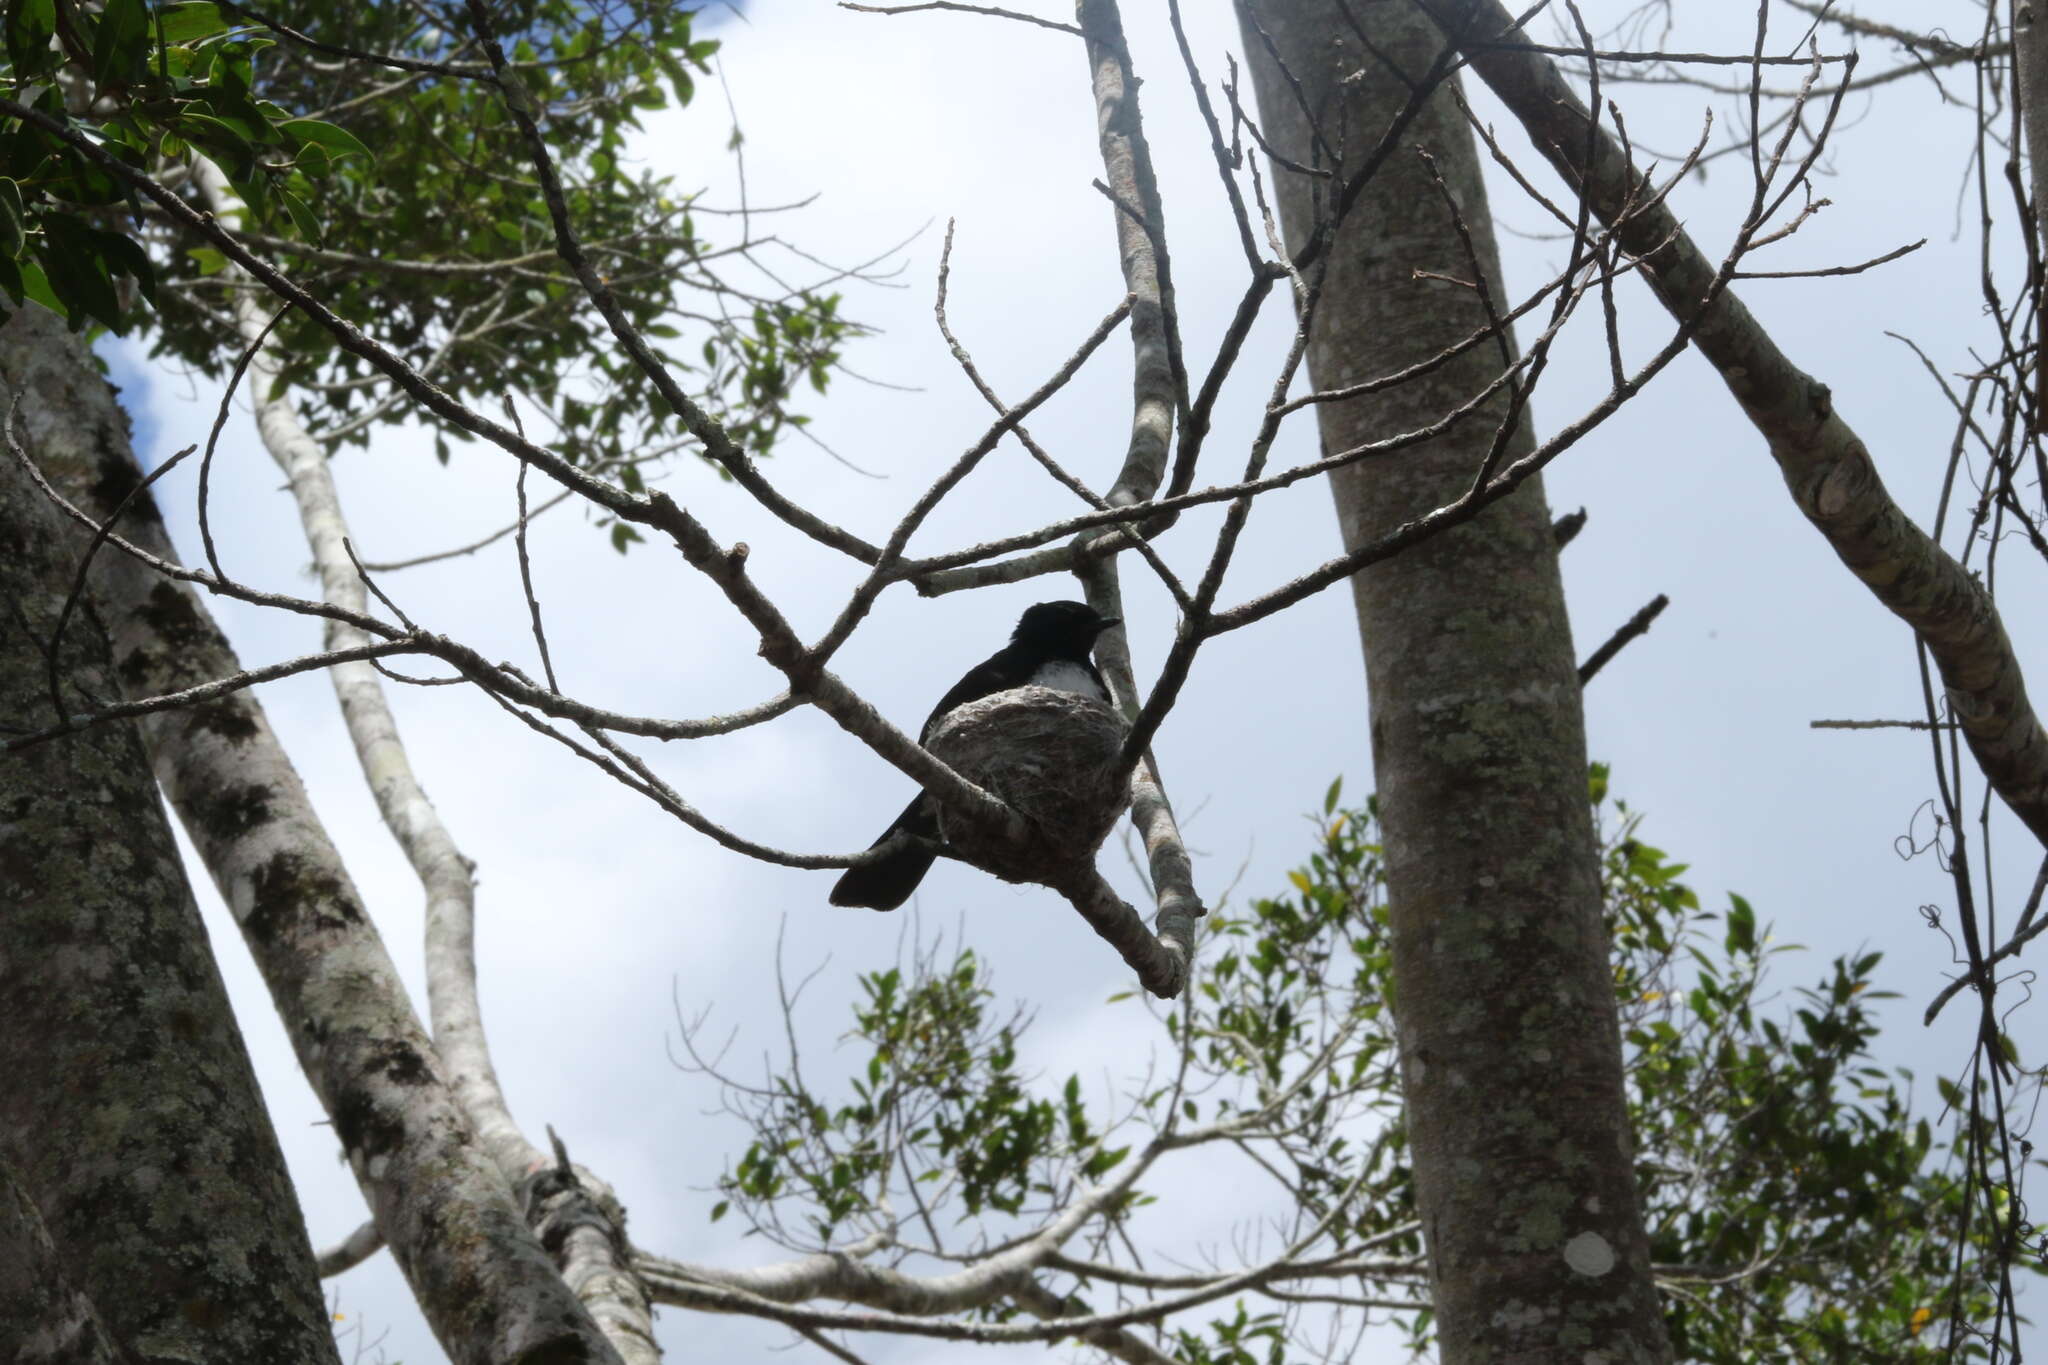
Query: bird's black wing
888, 882
999, 672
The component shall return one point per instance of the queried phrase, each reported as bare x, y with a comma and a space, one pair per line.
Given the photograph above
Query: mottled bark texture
446, 875
1510, 1051
2030, 60
129, 1112
450, 1218
45, 1318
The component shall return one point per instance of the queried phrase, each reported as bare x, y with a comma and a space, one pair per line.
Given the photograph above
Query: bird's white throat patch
1066, 676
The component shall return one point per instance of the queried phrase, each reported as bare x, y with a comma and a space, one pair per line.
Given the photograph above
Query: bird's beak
1107, 622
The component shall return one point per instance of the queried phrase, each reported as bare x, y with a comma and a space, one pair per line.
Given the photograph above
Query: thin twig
216, 687
2025, 934
1879, 725
1856, 269
220, 419
988, 10
1637, 625
99, 538
540, 634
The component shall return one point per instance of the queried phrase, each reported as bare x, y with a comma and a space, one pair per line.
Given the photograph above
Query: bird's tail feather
888, 882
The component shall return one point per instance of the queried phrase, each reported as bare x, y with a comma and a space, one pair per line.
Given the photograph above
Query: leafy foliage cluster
1800, 1209
941, 1077
1810, 1215
153, 83
377, 164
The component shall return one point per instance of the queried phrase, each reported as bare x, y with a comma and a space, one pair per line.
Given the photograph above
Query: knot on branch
559, 1200
1050, 756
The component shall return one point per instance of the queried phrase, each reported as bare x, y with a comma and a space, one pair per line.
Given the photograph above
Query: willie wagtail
1049, 648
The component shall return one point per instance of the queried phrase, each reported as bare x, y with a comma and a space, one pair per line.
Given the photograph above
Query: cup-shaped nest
1048, 754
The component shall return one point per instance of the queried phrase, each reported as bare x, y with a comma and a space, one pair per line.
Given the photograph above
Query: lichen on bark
1505, 1013
130, 1112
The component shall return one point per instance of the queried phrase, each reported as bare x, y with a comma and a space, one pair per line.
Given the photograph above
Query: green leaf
1104, 1162
35, 287
31, 24
1741, 925
120, 49
718, 1210
191, 21
219, 139
123, 254
77, 273
1330, 796
209, 261
13, 221
332, 138
302, 217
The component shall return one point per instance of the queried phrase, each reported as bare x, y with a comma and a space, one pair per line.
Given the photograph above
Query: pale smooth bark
1127, 168
481, 1278
845, 1274
443, 871
1165, 956
446, 875
1510, 1051
129, 1113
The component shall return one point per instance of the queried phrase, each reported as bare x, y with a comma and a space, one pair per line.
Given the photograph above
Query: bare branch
2024, 932
351, 1251
1877, 725
953, 5
718, 445
212, 691
1635, 626
1825, 463
1824, 271
1114, 1342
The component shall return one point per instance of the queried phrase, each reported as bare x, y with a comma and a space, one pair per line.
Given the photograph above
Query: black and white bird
1049, 648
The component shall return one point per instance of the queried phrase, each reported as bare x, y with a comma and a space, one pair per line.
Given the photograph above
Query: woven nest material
1048, 754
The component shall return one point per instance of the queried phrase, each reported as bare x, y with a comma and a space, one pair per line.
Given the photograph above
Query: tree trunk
129, 1112
44, 1317
1510, 1049
485, 1284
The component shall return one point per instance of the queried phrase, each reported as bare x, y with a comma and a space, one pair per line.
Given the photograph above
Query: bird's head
1065, 629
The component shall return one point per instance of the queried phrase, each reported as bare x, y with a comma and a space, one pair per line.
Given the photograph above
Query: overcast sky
598, 914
